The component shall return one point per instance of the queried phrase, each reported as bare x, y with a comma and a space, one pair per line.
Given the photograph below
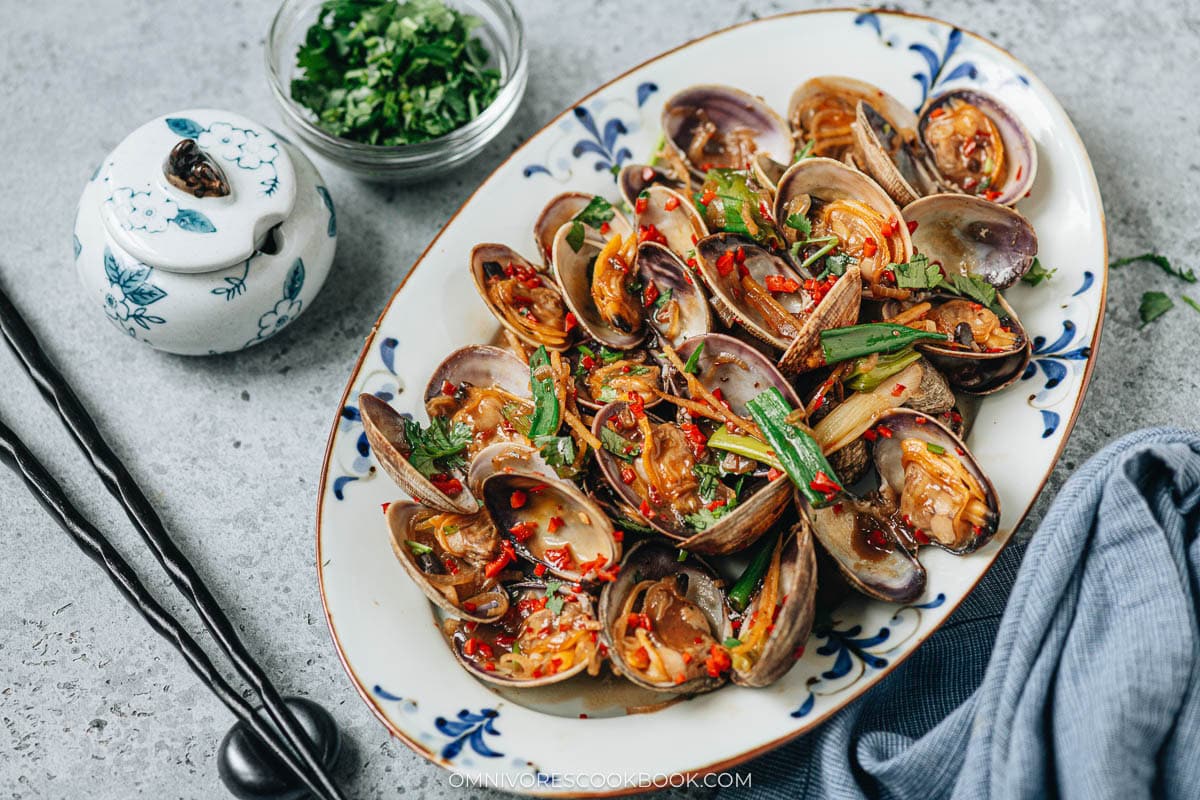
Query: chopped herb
1184, 274
438, 448
682, 557
936, 449
617, 444
663, 299
554, 601
732, 642
575, 235
734, 204
805, 151
693, 363
558, 451
1190, 302
607, 394
917, 273
1037, 273
417, 548
709, 475
516, 416
597, 212
516, 648
635, 285
610, 356
393, 73
836, 265
800, 223
546, 418
975, 288
705, 518
1153, 306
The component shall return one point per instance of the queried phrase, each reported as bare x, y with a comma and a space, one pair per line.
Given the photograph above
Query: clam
665, 481
977, 146
885, 147
551, 636
684, 312
549, 521
760, 291
779, 617
868, 547
971, 236
634, 179
446, 555
988, 348
663, 619
665, 216
711, 126
822, 111
840, 202
479, 386
523, 298
562, 210
935, 483
602, 375
597, 281
767, 172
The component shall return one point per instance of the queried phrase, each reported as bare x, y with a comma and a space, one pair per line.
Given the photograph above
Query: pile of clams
602, 489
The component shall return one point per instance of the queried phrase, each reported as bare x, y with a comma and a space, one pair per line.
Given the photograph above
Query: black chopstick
118, 481
16, 455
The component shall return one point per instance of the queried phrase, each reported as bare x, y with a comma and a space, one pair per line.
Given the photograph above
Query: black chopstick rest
249, 772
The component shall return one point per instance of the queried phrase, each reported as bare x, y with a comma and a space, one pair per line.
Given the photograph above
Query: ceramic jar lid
197, 191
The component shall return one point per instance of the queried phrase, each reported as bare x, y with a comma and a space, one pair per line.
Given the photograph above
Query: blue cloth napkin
1084, 686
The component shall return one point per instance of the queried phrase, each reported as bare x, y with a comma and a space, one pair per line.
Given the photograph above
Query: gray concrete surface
93, 706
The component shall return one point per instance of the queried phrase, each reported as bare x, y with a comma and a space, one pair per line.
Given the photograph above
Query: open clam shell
754, 515
575, 271
690, 314
683, 601
767, 172
639, 371
634, 179
868, 548
540, 318
720, 126
677, 223
549, 521
737, 369
424, 557
561, 210
822, 110
473, 366
486, 650
822, 182
790, 605
936, 482
885, 148
940, 128
981, 373
972, 236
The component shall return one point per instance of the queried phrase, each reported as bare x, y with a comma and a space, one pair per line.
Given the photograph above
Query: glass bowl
502, 33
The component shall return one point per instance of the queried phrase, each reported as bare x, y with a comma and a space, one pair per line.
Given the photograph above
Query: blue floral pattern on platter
1055, 360
385, 384
129, 295
467, 728
601, 140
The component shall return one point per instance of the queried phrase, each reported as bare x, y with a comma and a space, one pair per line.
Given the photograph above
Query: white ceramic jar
208, 247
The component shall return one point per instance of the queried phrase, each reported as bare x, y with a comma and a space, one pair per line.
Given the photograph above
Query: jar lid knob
191, 169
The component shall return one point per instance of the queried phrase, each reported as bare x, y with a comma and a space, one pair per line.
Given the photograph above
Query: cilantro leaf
975, 288
705, 518
554, 601
439, 448
1037, 273
1153, 306
618, 445
917, 273
1195, 306
558, 451
836, 265
709, 475
597, 212
693, 363
800, 223
663, 299
1184, 274
575, 235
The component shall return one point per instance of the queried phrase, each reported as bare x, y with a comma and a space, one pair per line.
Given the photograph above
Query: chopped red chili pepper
588, 362
782, 284
912, 225
884, 431
641, 204
448, 388
870, 247
718, 661
471, 646
497, 565
937, 112
446, 485
385, 506
838, 508
539, 570
898, 389
523, 531
715, 504
518, 499
649, 295
824, 484
641, 620
645, 510
870, 435
695, 437
921, 420
725, 263
605, 228
560, 557
637, 404
553, 524
627, 475
469, 607
618, 535
708, 196
1017, 177
991, 194
889, 227
451, 566
920, 536
569, 322
649, 233
960, 451
877, 539
671, 204
764, 210
639, 659
775, 474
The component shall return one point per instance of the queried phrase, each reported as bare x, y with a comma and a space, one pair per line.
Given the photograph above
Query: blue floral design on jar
256, 151
222, 139
147, 211
286, 309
